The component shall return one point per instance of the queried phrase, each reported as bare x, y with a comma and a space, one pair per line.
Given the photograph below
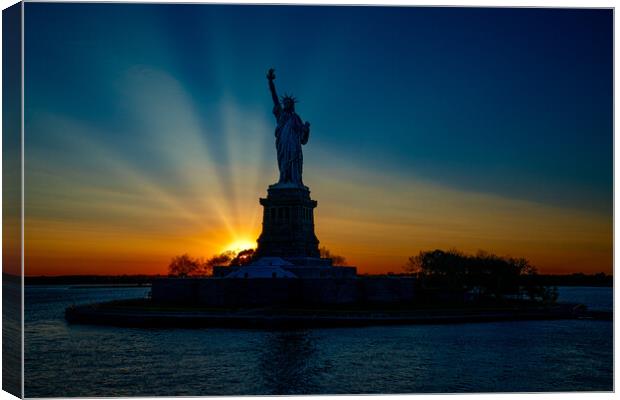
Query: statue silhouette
291, 133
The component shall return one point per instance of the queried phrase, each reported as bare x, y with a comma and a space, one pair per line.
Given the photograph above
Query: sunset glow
240, 245
153, 136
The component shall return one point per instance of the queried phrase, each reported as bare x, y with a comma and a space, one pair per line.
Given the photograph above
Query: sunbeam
154, 136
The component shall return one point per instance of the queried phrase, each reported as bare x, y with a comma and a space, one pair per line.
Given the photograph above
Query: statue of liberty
291, 133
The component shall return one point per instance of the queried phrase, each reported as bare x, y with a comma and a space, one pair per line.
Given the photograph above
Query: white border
477, 3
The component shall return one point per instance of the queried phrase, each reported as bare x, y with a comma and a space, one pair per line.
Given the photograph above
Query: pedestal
288, 226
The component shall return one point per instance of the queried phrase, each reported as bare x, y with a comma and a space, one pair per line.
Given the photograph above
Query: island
286, 283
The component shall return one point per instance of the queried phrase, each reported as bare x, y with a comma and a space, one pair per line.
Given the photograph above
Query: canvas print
219, 200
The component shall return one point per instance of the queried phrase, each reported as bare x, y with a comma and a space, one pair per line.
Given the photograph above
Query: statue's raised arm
291, 133
271, 76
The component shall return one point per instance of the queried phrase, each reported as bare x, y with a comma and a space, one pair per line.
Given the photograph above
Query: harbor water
522, 356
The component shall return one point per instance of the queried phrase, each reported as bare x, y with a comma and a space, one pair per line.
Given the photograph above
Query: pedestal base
288, 226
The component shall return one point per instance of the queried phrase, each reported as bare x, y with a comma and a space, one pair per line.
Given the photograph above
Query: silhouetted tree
242, 258
183, 265
324, 252
221, 259
485, 273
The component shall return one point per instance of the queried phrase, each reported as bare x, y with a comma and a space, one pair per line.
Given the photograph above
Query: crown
288, 97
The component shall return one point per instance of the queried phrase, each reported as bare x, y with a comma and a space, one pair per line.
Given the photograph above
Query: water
530, 356
11, 334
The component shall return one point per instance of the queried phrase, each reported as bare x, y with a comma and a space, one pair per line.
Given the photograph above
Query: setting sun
242, 244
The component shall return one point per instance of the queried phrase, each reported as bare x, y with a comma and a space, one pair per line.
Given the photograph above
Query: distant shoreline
577, 279
105, 286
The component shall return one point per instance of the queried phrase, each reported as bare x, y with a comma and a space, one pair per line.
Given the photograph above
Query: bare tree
336, 259
183, 265
244, 257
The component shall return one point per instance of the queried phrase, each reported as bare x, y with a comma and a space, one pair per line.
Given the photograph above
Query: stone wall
386, 289
261, 292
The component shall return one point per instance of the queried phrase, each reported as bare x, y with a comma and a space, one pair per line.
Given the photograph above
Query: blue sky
514, 103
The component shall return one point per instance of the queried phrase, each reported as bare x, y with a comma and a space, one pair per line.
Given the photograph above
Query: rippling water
74, 360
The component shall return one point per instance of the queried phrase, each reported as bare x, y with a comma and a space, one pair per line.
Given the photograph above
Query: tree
242, 258
488, 274
183, 265
324, 252
217, 260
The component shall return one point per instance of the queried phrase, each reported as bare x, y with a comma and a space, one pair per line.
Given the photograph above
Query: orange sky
92, 210
375, 221
154, 136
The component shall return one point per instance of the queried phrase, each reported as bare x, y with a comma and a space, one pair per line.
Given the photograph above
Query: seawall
267, 291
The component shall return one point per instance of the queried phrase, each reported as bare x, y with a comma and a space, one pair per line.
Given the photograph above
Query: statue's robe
290, 135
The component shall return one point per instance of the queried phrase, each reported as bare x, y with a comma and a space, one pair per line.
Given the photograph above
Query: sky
149, 133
